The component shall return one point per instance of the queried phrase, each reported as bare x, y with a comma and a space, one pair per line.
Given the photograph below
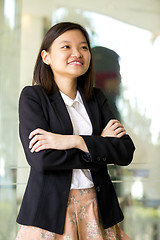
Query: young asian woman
69, 136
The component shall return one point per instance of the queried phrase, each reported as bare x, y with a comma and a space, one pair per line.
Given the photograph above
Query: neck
69, 88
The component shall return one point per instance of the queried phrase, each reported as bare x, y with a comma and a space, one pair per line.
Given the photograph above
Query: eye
66, 46
85, 47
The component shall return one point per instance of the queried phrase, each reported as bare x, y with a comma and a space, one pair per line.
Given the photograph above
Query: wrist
80, 144
77, 141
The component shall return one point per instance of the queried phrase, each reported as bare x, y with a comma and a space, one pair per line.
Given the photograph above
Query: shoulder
35, 91
32, 89
31, 95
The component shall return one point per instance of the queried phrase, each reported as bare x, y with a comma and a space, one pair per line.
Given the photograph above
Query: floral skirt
82, 222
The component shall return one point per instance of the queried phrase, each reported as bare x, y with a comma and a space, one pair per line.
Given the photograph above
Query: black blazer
45, 199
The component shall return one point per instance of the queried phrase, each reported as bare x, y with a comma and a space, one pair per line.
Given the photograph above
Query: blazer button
104, 159
98, 159
98, 189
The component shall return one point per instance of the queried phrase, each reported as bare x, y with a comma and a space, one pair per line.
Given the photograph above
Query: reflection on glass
9, 12
107, 75
108, 78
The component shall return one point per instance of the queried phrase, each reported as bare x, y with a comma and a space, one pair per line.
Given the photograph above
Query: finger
119, 130
36, 131
112, 122
121, 134
42, 147
37, 145
35, 139
116, 125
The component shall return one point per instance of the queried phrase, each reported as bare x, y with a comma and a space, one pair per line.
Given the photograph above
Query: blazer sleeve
33, 115
108, 150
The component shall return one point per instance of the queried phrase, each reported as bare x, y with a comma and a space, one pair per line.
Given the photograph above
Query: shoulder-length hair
43, 74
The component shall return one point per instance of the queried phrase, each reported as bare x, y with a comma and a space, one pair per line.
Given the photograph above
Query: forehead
71, 36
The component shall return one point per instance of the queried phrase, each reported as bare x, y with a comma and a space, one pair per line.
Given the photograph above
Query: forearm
110, 150
73, 141
41, 140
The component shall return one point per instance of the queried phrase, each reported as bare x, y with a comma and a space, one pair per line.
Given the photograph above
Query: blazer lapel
62, 113
93, 113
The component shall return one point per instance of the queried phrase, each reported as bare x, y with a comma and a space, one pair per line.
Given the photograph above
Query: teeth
79, 63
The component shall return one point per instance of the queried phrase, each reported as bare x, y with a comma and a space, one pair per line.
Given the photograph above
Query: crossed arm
46, 150
41, 139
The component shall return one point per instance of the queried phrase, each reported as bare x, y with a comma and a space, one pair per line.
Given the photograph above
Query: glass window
126, 59
9, 90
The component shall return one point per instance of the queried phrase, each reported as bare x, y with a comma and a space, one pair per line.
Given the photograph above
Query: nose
76, 53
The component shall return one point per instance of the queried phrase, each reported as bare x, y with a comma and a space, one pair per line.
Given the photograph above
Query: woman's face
69, 55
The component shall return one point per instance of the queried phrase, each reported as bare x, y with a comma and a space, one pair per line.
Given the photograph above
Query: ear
45, 57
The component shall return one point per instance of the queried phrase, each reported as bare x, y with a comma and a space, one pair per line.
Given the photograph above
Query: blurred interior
125, 39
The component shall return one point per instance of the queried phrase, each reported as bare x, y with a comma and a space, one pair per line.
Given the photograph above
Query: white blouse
81, 178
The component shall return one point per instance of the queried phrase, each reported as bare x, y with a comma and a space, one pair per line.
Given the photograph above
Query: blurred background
125, 39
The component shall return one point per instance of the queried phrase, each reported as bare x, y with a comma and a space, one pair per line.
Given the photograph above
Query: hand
41, 139
113, 129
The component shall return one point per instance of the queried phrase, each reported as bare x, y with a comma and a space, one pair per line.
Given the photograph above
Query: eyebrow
69, 42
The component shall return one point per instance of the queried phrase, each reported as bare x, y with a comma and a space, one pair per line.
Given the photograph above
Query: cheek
55, 61
60, 58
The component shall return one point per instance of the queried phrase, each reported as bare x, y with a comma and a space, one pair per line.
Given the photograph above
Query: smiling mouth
76, 63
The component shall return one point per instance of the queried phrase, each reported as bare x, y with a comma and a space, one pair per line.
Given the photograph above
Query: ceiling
141, 13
